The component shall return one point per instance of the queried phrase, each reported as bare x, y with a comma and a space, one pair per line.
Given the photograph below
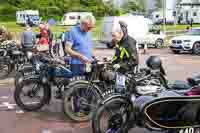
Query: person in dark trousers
191, 22
50, 36
29, 22
28, 39
126, 55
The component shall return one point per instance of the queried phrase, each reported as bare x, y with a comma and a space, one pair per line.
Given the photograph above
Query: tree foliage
130, 5
59, 7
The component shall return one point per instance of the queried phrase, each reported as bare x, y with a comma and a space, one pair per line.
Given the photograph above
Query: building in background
188, 11
165, 13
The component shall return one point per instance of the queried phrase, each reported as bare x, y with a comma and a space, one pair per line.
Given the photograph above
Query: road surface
51, 119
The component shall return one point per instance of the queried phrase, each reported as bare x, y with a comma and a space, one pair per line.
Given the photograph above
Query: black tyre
116, 120
5, 67
5, 70
159, 43
176, 51
196, 48
80, 101
18, 78
28, 105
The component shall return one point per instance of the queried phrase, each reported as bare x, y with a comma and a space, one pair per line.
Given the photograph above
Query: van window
72, 17
194, 14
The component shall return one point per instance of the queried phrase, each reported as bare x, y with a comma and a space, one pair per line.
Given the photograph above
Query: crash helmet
154, 62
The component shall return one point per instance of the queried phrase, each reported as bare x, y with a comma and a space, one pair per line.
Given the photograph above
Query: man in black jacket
126, 55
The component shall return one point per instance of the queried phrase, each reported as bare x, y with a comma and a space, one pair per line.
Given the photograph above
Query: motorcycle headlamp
37, 67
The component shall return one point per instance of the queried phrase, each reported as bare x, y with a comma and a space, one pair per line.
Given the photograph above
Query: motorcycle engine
149, 87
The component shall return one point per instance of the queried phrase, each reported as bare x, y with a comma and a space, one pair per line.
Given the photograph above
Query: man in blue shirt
78, 42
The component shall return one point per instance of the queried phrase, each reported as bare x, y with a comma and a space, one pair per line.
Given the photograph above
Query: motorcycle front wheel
36, 95
80, 101
112, 117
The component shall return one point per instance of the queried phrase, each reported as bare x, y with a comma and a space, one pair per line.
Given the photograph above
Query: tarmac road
51, 119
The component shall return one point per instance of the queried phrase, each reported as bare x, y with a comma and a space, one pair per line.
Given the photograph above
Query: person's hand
85, 60
116, 66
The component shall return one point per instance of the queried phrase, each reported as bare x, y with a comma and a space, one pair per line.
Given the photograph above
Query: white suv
190, 41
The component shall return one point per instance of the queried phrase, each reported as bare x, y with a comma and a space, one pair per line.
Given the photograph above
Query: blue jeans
78, 69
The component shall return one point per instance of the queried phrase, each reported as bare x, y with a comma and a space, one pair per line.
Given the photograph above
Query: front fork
45, 82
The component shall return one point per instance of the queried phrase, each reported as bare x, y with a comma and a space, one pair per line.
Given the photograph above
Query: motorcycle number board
189, 130
120, 80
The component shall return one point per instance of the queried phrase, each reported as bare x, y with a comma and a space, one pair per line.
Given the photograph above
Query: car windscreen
194, 32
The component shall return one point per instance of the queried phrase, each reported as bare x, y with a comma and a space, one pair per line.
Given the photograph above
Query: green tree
159, 4
131, 5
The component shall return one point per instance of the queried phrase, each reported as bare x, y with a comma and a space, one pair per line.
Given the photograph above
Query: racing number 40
187, 130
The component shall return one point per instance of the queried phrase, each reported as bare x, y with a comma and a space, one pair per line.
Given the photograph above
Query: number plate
120, 80
29, 73
189, 130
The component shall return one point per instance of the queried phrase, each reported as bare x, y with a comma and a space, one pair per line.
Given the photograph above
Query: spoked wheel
80, 101
31, 95
112, 117
196, 48
5, 70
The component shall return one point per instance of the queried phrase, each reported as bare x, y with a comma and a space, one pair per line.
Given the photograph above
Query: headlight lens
37, 67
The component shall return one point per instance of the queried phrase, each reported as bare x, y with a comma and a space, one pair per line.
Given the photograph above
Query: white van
73, 18
22, 17
138, 28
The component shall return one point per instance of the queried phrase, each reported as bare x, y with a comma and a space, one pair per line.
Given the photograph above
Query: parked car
139, 28
73, 18
190, 41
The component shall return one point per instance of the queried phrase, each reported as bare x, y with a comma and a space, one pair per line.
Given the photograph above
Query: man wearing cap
126, 55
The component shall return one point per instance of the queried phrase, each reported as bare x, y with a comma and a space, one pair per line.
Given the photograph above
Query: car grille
176, 41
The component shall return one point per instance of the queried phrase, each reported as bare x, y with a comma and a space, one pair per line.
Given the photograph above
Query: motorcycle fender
115, 96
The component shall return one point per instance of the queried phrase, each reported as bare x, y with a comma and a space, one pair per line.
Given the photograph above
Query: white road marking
8, 105
4, 97
19, 112
12, 106
46, 131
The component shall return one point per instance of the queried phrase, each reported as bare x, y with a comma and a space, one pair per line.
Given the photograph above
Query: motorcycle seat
17, 52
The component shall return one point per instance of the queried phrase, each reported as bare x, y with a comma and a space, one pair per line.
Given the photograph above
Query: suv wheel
159, 43
196, 48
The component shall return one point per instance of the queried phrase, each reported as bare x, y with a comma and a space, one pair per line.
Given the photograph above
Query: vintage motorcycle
108, 82
44, 74
11, 58
118, 113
